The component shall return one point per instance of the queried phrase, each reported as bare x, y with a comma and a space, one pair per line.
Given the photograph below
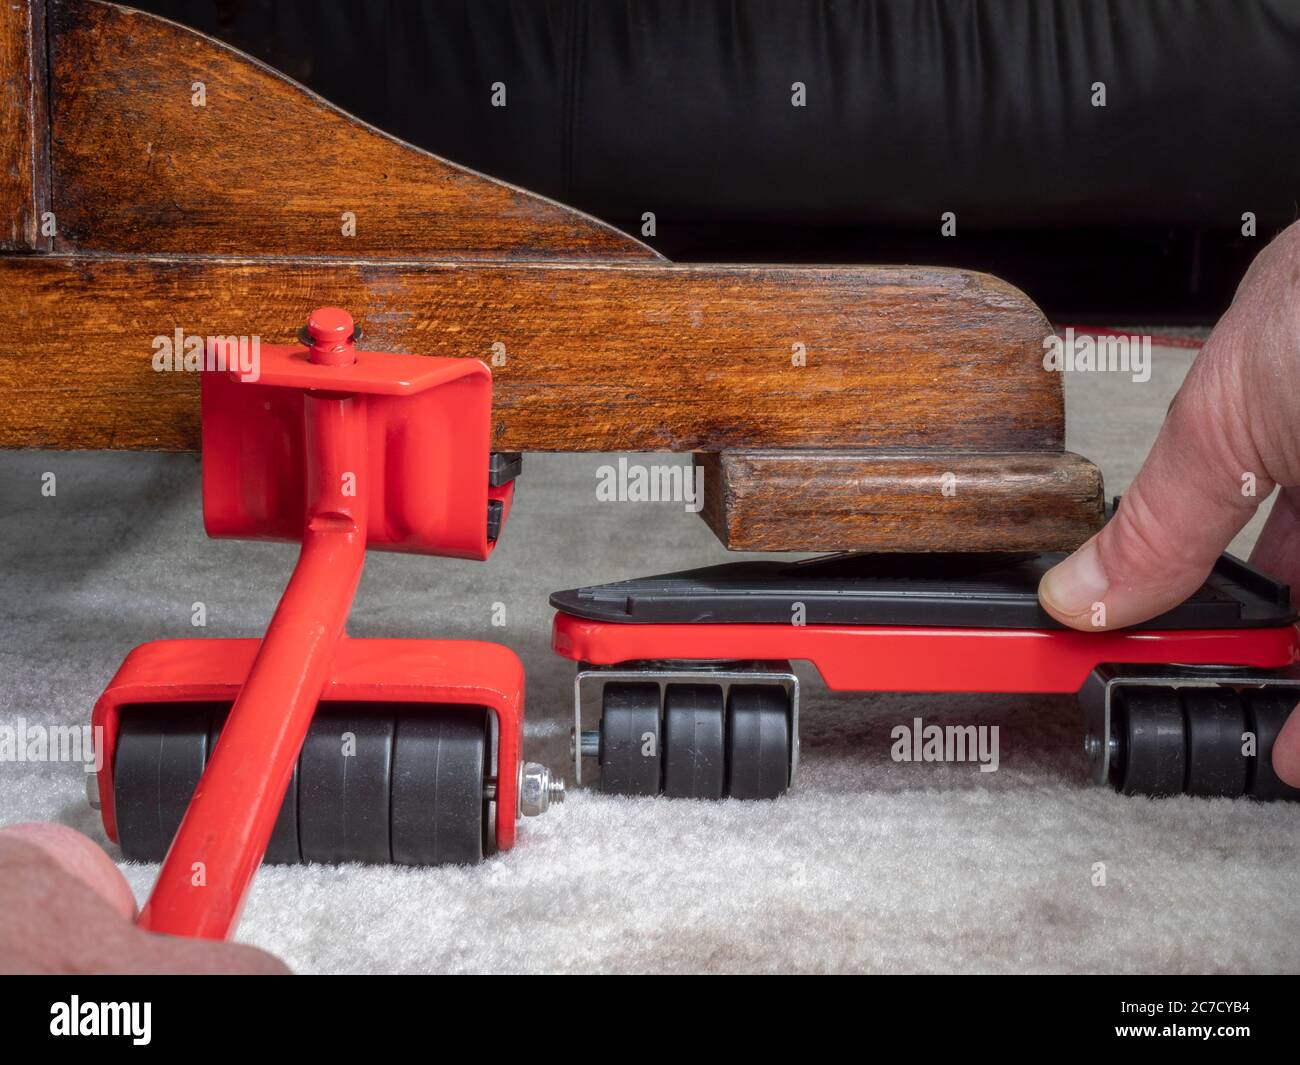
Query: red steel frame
923, 658
467, 672
342, 449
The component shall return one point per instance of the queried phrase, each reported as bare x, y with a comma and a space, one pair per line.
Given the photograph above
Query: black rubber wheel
160, 753
283, 847
409, 788
344, 782
1266, 712
694, 755
439, 815
1215, 720
630, 749
1152, 746
758, 742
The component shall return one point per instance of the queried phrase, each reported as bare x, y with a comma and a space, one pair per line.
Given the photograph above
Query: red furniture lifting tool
344, 450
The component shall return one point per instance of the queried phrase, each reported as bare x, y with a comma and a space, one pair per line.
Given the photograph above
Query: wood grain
265, 167
774, 500
630, 357
24, 136
226, 219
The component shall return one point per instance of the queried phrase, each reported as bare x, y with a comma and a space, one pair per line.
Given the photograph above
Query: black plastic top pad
970, 591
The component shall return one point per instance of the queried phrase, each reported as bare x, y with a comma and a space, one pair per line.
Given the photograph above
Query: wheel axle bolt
591, 744
1096, 750
538, 789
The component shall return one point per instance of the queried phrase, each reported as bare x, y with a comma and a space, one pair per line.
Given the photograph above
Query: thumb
1286, 750
80, 856
1185, 505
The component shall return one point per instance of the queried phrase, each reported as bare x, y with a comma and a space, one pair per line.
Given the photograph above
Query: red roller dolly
688, 675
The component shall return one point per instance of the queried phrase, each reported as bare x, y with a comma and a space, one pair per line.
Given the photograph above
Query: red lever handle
226, 829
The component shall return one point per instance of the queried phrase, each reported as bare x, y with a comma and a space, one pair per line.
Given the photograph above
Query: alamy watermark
115, 1019
1068, 353
631, 482
919, 742
184, 352
21, 742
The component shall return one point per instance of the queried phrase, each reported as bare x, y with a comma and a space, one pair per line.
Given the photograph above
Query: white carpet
868, 865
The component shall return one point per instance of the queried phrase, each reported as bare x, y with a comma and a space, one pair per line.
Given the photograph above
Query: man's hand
1231, 435
65, 908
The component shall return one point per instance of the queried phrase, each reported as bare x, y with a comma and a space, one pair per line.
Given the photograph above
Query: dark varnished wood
24, 134
225, 220
265, 167
632, 357
862, 501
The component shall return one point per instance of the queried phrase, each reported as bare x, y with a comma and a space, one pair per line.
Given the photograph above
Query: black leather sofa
913, 108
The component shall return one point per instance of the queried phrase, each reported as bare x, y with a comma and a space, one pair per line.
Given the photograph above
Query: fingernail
1073, 586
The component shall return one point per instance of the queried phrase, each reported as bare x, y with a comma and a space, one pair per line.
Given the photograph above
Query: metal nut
538, 789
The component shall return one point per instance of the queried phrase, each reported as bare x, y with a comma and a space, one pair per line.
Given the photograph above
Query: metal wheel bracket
1096, 697
589, 685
